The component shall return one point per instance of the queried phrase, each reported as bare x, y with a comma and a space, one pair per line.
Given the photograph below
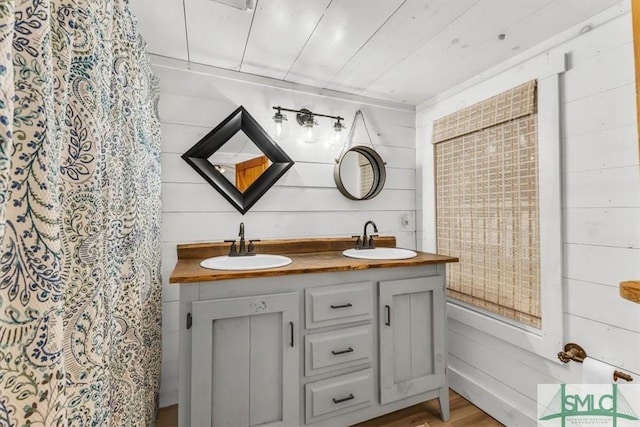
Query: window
487, 210
547, 70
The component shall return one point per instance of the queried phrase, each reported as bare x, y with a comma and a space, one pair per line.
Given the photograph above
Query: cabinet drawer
339, 395
333, 305
334, 350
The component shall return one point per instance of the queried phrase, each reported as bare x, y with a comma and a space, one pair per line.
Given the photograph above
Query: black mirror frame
379, 172
240, 120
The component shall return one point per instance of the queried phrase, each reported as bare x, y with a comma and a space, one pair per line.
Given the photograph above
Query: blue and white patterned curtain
80, 302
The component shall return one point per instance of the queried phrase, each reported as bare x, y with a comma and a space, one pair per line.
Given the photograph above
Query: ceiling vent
247, 5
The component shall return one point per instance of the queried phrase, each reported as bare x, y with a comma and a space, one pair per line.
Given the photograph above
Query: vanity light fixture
306, 119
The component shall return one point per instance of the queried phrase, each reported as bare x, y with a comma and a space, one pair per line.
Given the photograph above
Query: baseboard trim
485, 399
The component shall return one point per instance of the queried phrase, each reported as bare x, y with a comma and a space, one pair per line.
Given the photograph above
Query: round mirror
360, 173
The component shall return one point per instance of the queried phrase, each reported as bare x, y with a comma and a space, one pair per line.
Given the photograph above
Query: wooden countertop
630, 290
307, 255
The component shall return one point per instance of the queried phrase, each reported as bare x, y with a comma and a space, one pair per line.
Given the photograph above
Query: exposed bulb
309, 134
279, 128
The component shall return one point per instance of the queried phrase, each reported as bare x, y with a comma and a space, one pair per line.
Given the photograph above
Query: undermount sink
254, 262
380, 253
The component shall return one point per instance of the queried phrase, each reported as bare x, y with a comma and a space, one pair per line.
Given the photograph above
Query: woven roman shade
366, 175
486, 161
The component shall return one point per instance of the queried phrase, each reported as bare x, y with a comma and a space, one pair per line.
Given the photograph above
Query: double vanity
322, 334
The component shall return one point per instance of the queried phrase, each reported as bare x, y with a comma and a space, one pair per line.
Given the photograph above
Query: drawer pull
387, 315
335, 353
344, 399
342, 305
291, 337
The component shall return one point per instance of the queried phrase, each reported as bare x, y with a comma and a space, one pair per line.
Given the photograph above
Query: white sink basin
254, 262
380, 253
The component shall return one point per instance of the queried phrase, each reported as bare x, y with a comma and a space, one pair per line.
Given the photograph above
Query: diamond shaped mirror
239, 159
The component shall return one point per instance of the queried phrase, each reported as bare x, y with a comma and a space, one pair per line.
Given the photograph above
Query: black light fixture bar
307, 112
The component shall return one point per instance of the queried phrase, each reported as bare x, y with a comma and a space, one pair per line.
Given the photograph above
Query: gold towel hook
617, 375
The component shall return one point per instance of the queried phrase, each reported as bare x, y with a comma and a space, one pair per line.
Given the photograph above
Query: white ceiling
398, 50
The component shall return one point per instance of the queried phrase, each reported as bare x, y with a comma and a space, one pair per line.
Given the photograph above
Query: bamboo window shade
487, 212
366, 175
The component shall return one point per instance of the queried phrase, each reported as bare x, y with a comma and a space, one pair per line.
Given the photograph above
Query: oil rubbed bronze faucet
240, 251
241, 235
367, 241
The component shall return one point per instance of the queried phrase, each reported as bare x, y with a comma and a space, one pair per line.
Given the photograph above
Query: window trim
548, 340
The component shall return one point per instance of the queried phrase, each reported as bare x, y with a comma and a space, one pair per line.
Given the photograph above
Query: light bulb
307, 129
337, 136
279, 128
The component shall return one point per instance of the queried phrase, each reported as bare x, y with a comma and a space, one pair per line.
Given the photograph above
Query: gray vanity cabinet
323, 350
244, 361
412, 348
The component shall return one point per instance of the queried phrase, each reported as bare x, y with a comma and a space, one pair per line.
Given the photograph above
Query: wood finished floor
463, 414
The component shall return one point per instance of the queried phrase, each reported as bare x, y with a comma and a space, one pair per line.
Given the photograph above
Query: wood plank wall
303, 203
601, 223
635, 10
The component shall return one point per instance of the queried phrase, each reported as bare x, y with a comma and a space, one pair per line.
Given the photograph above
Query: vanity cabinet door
245, 361
412, 350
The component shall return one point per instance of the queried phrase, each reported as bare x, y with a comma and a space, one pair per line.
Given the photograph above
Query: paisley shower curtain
80, 285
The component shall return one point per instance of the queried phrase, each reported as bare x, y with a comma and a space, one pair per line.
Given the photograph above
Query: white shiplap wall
303, 203
601, 221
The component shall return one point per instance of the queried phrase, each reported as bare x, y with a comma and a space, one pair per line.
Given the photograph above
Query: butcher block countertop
307, 255
630, 290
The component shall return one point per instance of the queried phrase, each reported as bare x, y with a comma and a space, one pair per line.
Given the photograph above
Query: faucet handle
372, 244
358, 244
251, 247
232, 250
